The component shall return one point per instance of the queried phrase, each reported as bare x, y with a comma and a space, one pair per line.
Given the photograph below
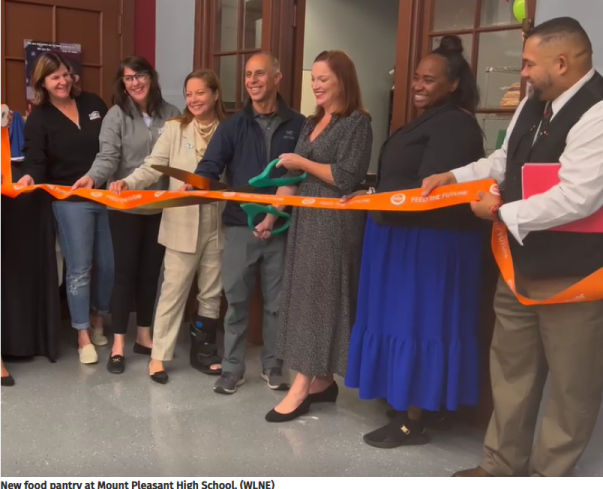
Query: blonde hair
46, 65
213, 83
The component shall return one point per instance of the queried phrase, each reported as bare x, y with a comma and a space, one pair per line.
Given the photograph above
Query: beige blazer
179, 228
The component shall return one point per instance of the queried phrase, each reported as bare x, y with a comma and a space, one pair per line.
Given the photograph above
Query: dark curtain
31, 315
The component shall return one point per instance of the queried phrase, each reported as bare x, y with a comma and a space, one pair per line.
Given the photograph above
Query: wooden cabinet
104, 28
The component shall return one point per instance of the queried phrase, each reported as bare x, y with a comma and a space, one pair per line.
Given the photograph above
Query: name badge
94, 115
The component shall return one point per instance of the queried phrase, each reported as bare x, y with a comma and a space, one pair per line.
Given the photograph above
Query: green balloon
519, 10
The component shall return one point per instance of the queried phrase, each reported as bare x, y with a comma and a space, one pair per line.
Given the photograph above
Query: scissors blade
196, 181
247, 189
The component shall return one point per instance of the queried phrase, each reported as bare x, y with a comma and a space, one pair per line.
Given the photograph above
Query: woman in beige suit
191, 235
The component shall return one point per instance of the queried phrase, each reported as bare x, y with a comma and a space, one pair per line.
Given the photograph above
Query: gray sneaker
276, 380
228, 383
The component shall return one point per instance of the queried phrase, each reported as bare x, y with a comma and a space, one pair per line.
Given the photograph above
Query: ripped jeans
85, 239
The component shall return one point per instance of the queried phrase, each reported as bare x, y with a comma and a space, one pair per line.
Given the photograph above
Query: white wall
588, 12
367, 31
174, 46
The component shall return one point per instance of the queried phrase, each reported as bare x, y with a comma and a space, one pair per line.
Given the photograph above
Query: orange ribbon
588, 289
7, 174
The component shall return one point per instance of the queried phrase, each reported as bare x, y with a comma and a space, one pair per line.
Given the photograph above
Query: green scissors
264, 180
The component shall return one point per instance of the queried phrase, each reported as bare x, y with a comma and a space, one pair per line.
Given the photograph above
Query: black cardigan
445, 137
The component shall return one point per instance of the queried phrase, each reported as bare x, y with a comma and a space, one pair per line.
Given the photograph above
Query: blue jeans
85, 239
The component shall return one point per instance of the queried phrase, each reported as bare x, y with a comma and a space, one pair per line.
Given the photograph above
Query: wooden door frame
128, 8
407, 51
283, 35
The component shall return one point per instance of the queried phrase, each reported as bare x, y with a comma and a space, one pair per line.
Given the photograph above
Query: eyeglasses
139, 77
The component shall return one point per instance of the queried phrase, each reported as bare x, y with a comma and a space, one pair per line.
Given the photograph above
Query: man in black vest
560, 121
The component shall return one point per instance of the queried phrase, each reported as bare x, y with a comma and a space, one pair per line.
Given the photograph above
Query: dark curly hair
467, 93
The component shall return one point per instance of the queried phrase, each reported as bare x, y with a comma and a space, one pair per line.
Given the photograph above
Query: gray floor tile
68, 419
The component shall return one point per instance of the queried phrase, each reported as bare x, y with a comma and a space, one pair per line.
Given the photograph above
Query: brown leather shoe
476, 472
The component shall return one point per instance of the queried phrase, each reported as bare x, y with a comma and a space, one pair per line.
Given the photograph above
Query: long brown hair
46, 65
344, 69
137, 64
213, 83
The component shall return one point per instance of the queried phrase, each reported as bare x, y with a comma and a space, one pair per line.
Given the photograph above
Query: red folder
540, 177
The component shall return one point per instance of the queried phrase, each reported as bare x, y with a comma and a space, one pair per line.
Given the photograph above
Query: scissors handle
253, 210
264, 180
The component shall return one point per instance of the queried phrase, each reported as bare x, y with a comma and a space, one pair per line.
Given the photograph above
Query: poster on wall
33, 49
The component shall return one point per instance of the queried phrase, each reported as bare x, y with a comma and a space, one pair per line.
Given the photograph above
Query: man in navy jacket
242, 146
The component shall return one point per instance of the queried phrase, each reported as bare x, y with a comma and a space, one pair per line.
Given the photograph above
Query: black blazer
445, 137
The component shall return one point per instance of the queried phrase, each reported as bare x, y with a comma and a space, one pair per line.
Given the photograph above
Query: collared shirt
579, 193
268, 123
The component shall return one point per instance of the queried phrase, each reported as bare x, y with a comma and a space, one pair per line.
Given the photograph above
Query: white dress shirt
579, 193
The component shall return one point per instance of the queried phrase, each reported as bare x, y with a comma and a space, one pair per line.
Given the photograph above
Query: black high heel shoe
328, 395
141, 350
275, 417
8, 381
160, 377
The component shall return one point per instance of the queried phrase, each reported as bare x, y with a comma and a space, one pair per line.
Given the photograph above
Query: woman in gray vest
129, 132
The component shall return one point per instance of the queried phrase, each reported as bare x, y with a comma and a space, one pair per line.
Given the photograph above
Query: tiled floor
68, 419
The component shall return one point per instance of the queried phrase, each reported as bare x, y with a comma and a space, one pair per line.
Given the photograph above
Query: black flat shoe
116, 364
398, 432
8, 381
328, 395
141, 350
160, 377
276, 417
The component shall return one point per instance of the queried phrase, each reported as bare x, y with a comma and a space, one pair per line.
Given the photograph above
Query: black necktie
546, 121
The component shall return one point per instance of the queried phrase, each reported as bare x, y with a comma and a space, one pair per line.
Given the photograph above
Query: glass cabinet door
492, 39
238, 34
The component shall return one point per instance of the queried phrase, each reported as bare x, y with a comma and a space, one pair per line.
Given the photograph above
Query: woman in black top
61, 142
415, 341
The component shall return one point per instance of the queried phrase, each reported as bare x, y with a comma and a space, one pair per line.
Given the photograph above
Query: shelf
511, 70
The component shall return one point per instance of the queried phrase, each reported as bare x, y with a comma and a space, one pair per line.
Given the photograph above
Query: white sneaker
97, 337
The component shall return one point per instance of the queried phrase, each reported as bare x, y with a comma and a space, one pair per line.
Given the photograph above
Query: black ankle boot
204, 351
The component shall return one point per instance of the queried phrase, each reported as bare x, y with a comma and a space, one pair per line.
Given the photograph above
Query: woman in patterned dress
320, 284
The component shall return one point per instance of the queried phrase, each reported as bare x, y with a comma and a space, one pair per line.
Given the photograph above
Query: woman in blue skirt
415, 339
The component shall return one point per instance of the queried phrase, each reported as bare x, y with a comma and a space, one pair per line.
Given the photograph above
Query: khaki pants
529, 342
179, 272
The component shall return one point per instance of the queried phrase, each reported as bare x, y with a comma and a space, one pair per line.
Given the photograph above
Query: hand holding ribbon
486, 206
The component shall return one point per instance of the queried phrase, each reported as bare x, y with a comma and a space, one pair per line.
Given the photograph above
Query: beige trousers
178, 275
564, 341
